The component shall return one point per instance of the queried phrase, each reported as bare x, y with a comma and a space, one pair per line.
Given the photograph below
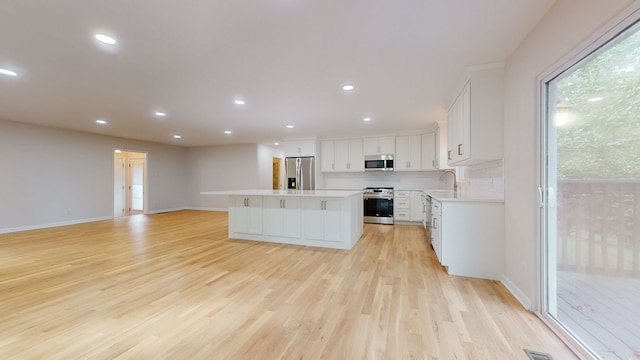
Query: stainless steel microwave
378, 163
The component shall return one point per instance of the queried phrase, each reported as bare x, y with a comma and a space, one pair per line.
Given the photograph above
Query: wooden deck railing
599, 227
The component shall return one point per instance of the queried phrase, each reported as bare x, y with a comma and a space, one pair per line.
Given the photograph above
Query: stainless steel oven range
378, 205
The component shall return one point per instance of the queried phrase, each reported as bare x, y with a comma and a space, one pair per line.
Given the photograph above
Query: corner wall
53, 177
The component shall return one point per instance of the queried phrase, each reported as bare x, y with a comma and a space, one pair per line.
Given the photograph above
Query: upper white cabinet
408, 153
348, 155
475, 120
341, 155
430, 150
327, 156
300, 148
381, 145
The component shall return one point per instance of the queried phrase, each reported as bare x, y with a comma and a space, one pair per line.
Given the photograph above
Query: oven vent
536, 355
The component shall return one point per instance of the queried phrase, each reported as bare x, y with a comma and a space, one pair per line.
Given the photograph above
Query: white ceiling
288, 59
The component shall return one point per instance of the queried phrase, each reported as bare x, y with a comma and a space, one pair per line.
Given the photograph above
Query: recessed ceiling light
161, 114
101, 122
276, 143
348, 87
177, 137
239, 102
290, 126
227, 132
8, 72
595, 99
366, 119
106, 39
118, 151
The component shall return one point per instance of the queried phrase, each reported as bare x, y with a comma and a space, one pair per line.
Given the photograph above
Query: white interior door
136, 184
119, 180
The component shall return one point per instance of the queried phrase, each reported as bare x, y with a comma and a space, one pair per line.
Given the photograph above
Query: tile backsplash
486, 178
434, 180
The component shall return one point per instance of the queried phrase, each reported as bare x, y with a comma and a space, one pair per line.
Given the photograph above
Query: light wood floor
173, 286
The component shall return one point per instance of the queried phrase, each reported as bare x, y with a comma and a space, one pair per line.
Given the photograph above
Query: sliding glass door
591, 199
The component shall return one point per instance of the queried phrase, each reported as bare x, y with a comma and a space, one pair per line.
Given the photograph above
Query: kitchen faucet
455, 182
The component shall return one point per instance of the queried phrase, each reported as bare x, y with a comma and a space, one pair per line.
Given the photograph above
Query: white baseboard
166, 210
517, 293
51, 225
208, 209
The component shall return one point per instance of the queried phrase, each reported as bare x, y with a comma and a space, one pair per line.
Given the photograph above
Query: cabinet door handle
433, 163
459, 149
540, 197
449, 154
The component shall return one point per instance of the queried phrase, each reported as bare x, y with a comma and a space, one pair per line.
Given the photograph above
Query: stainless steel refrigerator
301, 173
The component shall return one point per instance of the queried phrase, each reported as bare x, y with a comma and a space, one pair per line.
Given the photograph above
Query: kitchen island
322, 218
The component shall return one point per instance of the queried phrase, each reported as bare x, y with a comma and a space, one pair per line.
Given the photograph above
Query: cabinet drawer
401, 203
401, 193
402, 215
435, 207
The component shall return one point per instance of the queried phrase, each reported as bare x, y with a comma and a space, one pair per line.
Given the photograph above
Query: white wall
265, 165
567, 24
52, 177
216, 168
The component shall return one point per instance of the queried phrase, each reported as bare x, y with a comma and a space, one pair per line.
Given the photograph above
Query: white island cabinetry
282, 216
247, 217
322, 220
331, 219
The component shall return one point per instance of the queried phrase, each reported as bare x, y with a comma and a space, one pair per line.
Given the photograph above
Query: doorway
129, 170
277, 173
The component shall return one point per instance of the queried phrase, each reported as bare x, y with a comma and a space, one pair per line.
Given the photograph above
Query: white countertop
302, 193
449, 195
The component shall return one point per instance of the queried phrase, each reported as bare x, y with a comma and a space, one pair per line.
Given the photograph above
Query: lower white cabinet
282, 216
402, 205
435, 232
247, 217
323, 219
417, 207
408, 206
468, 237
